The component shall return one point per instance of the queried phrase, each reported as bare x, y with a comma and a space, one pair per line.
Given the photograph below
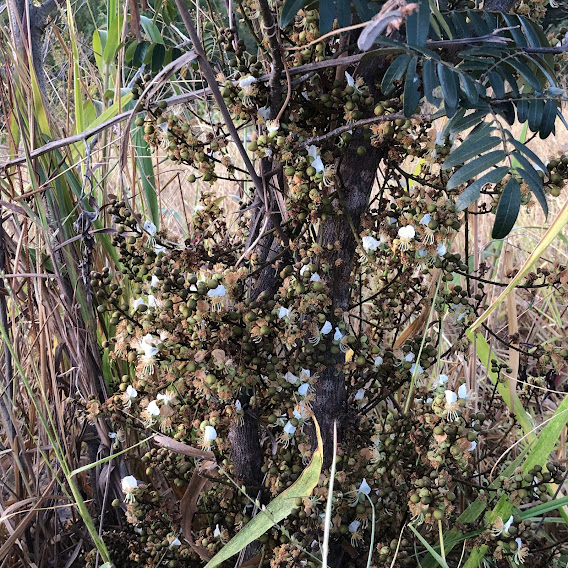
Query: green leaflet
411, 96
278, 509
473, 191
530, 175
475, 167
394, 73
472, 146
450, 88
289, 11
507, 210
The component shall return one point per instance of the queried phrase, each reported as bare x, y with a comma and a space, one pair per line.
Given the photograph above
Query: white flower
442, 249
426, 219
169, 397
439, 138
129, 484
272, 126
354, 525
337, 336
137, 303
150, 228
305, 374
441, 380
175, 542
152, 302
283, 312
247, 81
406, 234
409, 357
153, 409
315, 277
419, 370
360, 394
364, 487
422, 253
327, 327
218, 292
131, 392
217, 531
452, 404
471, 447
147, 347
370, 243
155, 282
289, 429
378, 361
209, 434
290, 378
158, 249
350, 80
303, 390
522, 552
316, 162
264, 112
150, 351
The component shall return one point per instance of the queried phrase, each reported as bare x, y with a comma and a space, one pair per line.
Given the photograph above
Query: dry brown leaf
181, 448
188, 504
417, 325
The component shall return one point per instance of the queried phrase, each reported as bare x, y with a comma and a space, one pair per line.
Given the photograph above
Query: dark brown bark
357, 176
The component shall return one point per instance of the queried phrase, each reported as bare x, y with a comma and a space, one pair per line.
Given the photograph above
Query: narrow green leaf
436, 556
507, 210
548, 119
450, 88
510, 78
525, 71
475, 167
522, 110
431, 82
327, 15
530, 175
527, 152
497, 84
113, 40
544, 508
411, 96
535, 115
440, 19
151, 29
140, 53
463, 122
278, 509
343, 13
365, 9
99, 42
146, 170
158, 55
473, 191
469, 87
418, 24
479, 24
513, 22
394, 73
478, 142
289, 11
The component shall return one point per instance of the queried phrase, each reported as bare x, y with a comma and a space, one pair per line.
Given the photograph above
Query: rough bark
357, 176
